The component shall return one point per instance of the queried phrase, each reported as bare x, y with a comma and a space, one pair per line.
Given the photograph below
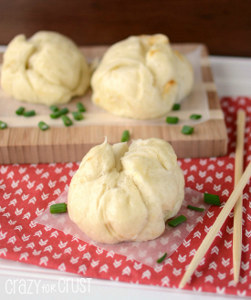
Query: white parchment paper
144, 252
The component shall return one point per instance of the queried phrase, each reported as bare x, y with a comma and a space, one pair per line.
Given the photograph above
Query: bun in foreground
126, 193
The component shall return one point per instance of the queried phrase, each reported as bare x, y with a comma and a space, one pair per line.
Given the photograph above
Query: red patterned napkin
26, 190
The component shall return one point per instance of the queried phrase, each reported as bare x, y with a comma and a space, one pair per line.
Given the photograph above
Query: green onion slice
77, 115
162, 258
125, 136
80, 107
176, 106
54, 108
29, 113
20, 111
55, 115
67, 121
59, 113
64, 111
187, 129
195, 208
177, 221
58, 208
195, 117
172, 120
43, 126
3, 125
212, 199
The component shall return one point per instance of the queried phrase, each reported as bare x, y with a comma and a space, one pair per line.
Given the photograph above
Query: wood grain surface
224, 26
61, 144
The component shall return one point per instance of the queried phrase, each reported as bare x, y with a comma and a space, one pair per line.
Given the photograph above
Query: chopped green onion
176, 106
80, 107
125, 136
64, 111
195, 117
195, 208
58, 208
54, 108
187, 129
3, 125
172, 120
29, 113
77, 115
212, 199
67, 121
161, 259
20, 111
43, 126
59, 113
177, 221
55, 115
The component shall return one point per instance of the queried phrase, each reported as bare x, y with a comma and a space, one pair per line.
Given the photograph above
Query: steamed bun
141, 77
122, 193
48, 68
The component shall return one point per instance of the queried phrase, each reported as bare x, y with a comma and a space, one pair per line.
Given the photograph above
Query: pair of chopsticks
235, 197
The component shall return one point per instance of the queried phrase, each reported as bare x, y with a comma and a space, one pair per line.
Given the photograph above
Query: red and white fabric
26, 190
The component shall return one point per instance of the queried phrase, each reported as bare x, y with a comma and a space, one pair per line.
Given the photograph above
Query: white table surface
19, 281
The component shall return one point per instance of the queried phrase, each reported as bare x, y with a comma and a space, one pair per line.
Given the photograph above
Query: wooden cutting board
28, 144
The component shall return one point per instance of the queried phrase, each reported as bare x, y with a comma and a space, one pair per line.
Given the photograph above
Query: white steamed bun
122, 193
48, 68
141, 77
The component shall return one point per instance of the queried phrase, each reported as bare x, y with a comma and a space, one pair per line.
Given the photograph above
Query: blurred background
223, 25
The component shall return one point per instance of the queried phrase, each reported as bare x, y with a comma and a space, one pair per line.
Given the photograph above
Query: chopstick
237, 235
208, 240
